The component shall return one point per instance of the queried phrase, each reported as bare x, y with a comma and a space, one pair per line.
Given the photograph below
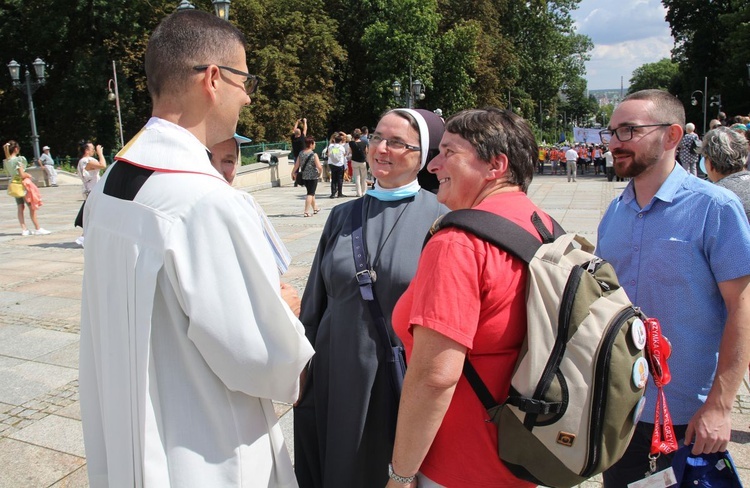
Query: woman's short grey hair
690, 127
726, 149
492, 132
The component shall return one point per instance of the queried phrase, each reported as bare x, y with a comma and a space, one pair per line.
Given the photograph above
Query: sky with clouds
626, 34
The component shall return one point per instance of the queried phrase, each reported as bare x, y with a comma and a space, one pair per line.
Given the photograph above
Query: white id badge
662, 479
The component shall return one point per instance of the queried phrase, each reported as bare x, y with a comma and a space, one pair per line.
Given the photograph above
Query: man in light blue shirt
681, 249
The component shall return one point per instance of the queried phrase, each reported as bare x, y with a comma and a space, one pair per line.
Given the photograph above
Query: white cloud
625, 36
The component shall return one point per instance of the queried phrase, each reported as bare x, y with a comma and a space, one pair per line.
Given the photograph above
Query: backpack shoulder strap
506, 235
500, 231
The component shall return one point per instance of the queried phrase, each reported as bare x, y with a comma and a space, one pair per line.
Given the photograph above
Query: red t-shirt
475, 294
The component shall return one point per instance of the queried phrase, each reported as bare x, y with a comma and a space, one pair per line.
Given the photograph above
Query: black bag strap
364, 276
478, 385
527, 405
500, 231
307, 160
519, 242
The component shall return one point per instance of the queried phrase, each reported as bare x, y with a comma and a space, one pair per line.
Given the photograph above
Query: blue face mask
394, 194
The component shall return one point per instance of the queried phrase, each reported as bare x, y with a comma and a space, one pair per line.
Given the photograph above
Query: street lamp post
115, 97
540, 117
694, 102
29, 87
716, 102
221, 7
518, 110
604, 119
416, 90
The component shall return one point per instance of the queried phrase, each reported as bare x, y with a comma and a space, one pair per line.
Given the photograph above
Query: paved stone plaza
40, 289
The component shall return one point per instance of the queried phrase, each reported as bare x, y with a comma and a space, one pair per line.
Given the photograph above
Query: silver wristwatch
404, 480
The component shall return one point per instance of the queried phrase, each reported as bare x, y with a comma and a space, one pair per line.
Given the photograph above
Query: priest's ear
211, 80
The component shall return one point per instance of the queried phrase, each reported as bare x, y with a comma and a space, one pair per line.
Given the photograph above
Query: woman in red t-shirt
467, 298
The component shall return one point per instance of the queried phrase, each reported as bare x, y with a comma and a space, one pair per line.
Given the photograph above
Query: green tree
549, 51
332, 62
457, 55
576, 103
527, 50
736, 66
661, 75
78, 48
711, 41
399, 43
292, 45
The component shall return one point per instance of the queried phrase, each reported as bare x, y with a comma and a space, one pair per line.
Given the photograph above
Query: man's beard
636, 166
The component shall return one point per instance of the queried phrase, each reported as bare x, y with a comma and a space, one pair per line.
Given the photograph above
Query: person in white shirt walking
571, 156
609, 163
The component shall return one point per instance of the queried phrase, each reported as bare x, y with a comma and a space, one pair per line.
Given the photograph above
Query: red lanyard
658, 348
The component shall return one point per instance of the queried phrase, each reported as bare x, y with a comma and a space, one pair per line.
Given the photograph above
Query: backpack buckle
535, 407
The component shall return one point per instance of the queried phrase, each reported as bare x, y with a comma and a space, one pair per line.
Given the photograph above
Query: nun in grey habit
344, 423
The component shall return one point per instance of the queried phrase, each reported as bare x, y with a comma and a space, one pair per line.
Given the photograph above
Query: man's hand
710, 429
99, 150
291, 297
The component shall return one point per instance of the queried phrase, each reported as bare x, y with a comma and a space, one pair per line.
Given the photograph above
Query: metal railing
249, 152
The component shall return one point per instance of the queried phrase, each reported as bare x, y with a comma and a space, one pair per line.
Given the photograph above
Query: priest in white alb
185, 337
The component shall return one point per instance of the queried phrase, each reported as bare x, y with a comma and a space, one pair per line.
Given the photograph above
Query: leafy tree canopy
712, 47
661, 75
332, 62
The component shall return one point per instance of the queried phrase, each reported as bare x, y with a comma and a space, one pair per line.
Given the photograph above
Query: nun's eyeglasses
392, 143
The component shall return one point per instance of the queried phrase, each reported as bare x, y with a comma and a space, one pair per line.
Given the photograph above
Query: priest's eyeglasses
624, 133
375, 139
251, 81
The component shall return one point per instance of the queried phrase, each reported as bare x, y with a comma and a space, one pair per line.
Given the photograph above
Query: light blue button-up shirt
669, 257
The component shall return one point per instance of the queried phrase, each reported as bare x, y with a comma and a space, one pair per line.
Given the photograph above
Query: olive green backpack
575, 396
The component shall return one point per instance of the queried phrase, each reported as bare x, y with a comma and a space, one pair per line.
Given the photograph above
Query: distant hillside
611, 95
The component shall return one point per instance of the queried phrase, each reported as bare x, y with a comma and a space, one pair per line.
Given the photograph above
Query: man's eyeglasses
624, 133
251, 81
392, 143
